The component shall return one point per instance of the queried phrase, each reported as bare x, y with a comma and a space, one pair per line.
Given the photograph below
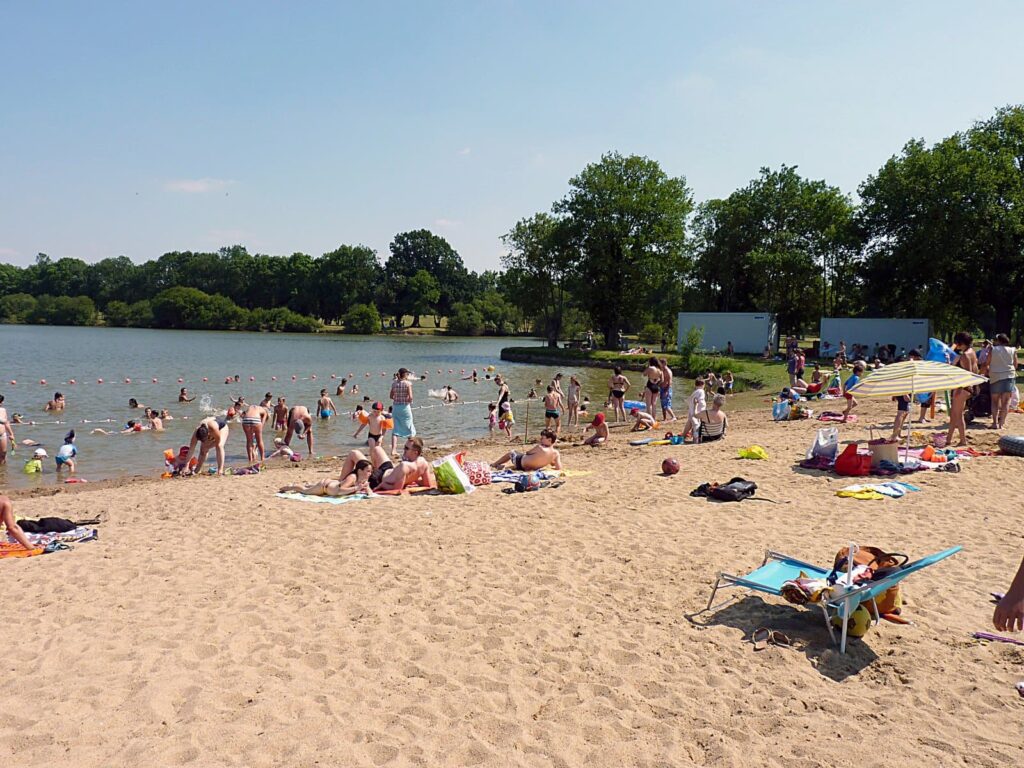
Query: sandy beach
216, 624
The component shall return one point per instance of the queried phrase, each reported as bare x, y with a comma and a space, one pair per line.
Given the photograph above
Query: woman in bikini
652, 389
572, 401
356, 481
713, 422
619, 386
967, 360
253, 419
6, 433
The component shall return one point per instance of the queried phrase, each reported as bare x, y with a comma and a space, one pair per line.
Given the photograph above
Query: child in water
66, 453
507, 419
492, 417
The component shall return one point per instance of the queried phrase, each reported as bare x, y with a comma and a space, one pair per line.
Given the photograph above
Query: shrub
363, 319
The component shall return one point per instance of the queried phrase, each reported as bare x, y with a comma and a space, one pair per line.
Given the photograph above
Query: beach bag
478, 472
530, 481
450, 476
780, 411
882, 564
851, 463
825, 445
736, 489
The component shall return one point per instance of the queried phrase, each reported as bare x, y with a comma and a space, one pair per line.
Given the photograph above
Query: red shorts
847, 395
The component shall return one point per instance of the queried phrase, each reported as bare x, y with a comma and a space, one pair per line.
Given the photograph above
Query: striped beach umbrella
914, 377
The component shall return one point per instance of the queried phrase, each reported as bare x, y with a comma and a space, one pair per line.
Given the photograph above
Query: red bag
851, 463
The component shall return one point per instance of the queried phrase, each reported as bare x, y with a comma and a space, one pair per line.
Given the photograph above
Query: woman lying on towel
357, 481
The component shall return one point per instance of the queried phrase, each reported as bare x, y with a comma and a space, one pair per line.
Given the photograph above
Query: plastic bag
780, 411
826, 444
753, 452
450, 476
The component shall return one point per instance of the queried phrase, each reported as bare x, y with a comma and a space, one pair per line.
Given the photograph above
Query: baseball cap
378, 406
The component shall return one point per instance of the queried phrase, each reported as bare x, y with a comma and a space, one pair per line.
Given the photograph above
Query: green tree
539, 264
17, 307
345, 277
362, 319
422, 250
10, 279
465, 320
945, 227
773, 246
628, 220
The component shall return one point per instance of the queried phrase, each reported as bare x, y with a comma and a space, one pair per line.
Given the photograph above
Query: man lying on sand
413, 469
538, 457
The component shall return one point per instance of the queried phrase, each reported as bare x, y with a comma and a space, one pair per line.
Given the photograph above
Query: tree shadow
805, 627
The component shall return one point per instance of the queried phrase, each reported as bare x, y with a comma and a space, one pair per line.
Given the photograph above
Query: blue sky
139, 128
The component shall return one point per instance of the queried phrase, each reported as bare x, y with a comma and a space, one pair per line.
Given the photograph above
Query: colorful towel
833, 416
13, 549
325, 499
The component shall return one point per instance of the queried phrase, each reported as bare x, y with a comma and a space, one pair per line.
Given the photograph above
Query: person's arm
1009, 613
557, 461
188, 458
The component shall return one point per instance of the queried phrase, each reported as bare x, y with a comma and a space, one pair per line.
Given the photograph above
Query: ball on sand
669, 466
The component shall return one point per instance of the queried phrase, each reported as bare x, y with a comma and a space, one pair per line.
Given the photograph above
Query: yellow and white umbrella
915, 377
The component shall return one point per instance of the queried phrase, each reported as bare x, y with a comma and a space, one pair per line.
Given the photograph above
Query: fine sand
215, 624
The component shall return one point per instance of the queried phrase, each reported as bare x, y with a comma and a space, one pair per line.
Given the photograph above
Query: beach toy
389, 423
76, 480
490, 368
631, 404
860, 622
669, 466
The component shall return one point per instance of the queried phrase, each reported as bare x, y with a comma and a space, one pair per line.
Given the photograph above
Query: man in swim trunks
450, 395
652, 389
300, 423
211, 433
325, 407
553, 409
618, 386
412, 469
665, 391
538, 457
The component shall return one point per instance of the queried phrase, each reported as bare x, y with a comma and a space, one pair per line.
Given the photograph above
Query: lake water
85, 355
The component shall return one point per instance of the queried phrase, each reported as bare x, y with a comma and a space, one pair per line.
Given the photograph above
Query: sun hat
40, 453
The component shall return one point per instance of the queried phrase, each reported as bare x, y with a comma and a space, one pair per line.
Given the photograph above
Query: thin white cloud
465, 151
198, 186
446, 223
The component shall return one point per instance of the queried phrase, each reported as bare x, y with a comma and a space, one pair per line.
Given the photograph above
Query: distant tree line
937, 232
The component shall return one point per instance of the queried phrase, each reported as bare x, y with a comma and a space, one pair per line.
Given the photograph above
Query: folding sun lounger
777, 569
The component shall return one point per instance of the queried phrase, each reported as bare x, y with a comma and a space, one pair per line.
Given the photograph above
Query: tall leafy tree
628, 220
345, 277
419, 250
539, 265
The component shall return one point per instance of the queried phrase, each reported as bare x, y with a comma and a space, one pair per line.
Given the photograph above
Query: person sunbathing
412, 469
538, 457
357, 481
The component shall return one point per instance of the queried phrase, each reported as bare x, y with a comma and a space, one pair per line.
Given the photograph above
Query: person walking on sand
653, 386
401, 412
618, 386
665, 391
541, 455
1002, 374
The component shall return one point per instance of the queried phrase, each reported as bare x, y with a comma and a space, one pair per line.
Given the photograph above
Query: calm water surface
58, 355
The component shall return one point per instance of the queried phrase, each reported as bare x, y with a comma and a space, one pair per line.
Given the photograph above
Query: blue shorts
666, 397
61, 461
326, 413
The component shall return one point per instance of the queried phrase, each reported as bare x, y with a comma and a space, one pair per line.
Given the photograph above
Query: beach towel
833, 416
13, 549
402, 415
325, 499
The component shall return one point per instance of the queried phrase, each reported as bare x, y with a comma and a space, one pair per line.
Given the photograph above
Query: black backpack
736, 489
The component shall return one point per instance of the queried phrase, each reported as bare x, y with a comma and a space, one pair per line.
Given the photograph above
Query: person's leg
897, 425
247, 433
349, 465
71, 466
259, 443
378, 456
1000, 407
13, 529
505, 459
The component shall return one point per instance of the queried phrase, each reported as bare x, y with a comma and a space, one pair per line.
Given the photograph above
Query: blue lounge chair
777, 569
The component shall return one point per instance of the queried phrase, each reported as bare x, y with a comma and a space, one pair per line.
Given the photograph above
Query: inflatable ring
1012, 445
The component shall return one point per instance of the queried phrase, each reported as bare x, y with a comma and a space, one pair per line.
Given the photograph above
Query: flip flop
760, 638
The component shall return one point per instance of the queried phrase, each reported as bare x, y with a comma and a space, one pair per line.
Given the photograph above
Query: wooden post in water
526, 429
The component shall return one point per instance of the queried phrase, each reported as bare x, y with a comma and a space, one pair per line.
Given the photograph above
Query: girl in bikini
618, 386
357, 481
